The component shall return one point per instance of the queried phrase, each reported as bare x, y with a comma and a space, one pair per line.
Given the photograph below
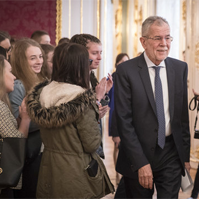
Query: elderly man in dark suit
152, 116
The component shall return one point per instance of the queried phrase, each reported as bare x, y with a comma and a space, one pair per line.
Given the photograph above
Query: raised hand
109, 83
22, 111
100, 89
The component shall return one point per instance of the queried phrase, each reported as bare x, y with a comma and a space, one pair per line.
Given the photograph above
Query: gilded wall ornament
197, 55
138, 22
184, 13
58, 21
118, 27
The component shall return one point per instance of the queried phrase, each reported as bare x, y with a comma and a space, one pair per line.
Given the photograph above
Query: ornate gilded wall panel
118, 27
22, 18
98, 18
138, 17
197, 55
58, 21
184, 13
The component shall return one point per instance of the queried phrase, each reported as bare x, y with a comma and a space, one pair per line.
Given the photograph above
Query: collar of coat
57, 116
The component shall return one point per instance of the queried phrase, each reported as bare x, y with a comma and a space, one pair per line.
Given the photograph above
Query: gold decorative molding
118, 27
184, 10
58, 21
195, 155
197, 55
138, 14
184, 13
138, 17
98, 18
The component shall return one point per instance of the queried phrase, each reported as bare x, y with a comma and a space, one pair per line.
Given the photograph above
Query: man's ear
143, 42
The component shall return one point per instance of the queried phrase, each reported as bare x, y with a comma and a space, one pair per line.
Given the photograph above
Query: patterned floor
108, 148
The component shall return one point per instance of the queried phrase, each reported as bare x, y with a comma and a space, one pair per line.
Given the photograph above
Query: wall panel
22, 18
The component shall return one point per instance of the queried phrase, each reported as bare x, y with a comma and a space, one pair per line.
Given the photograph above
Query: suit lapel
171, 85
144, 74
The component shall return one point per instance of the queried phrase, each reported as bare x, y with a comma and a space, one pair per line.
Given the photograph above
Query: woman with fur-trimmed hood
66, 111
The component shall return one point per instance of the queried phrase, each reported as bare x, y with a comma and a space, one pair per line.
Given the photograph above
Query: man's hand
187, 166
23, 114
116, 140
109, 83
145, 176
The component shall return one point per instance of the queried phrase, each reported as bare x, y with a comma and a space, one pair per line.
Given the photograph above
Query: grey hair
159, 21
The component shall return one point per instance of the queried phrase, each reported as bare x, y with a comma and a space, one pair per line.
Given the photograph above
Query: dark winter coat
67, 115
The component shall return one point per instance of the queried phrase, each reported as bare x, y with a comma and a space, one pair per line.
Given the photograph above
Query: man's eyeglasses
9, 49
91, 61
168, 39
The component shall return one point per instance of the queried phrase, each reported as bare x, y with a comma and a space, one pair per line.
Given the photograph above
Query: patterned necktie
159, 107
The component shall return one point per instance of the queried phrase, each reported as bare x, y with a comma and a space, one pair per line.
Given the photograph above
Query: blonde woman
8, 124
27, 61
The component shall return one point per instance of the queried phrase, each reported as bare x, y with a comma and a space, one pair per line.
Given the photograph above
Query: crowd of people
51, 96
67, 71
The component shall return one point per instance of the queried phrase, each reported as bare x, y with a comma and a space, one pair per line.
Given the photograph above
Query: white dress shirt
163, 77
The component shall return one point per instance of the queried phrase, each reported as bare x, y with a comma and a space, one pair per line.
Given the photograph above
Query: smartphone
105, 101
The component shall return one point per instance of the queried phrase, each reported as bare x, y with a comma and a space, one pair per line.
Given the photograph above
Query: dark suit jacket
112, 127
136, 113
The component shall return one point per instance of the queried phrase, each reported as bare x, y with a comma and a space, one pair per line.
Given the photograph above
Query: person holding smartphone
94, 47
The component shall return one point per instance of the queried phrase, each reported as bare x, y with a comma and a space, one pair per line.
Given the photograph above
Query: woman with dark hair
56, 59
94, 47
68, 117
48, 60
8, 124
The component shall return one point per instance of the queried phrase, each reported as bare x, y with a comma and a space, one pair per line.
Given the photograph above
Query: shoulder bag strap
196, 104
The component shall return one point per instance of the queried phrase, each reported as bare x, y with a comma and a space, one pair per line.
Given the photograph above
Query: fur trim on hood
57, 116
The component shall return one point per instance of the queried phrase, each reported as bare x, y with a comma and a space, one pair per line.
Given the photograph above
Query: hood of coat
54, 104
56, 93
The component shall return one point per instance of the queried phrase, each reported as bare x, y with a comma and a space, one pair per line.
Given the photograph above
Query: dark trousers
120, 192
195, 190
7, 193
29, 179
166, 169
